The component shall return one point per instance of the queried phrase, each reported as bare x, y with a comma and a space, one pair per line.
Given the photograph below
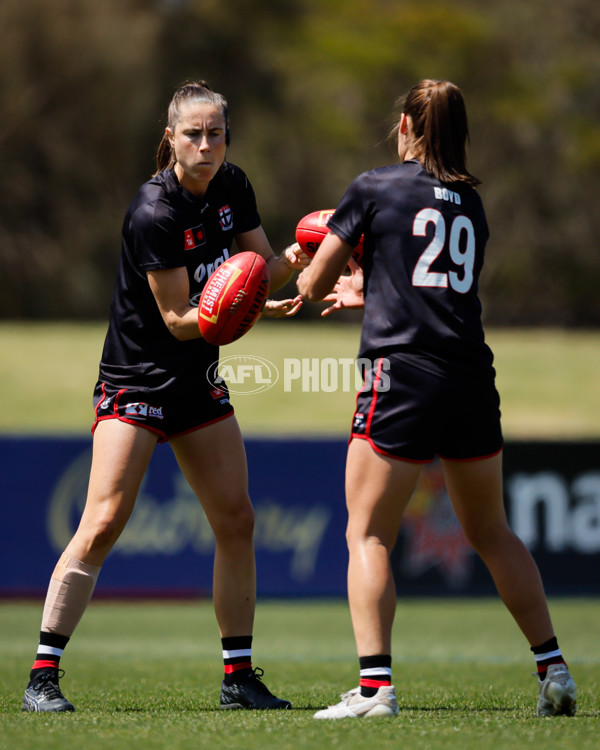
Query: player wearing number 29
153, 387
431, 391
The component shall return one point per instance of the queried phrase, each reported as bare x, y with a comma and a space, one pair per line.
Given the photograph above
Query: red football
313, 227
233, 298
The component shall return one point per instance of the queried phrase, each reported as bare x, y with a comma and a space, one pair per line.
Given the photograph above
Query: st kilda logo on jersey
226, 218
193, 237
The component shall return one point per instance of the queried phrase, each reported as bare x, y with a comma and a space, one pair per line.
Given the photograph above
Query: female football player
152, 387
430, 391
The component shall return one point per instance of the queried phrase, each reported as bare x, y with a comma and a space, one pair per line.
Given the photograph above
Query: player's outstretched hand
347, 292
295, 257
282, 308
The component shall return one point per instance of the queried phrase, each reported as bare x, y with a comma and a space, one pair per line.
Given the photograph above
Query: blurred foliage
84, 88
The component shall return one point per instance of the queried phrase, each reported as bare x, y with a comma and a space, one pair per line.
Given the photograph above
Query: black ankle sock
546, 654
375, 672
49, 651
237, 658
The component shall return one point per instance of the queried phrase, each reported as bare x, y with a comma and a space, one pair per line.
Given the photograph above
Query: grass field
548, 379
147, 676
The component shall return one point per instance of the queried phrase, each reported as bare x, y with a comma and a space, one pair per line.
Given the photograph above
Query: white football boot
353, 705
558, 693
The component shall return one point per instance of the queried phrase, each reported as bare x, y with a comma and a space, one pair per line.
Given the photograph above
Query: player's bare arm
171, 290
280, 267
320, 277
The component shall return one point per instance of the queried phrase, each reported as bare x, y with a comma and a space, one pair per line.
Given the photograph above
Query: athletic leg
378, 489
475, 488
213, 460
121, 453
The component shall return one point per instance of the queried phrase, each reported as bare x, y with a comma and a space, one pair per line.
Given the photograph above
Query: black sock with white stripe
545, 654
237, 657
375, 672
49, 651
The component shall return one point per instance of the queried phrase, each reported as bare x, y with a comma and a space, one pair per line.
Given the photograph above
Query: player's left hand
347, 292
295, 258
282, 308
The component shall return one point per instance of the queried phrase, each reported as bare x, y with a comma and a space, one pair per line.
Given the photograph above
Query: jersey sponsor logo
142, 410
194, 237
226, 218
204, 271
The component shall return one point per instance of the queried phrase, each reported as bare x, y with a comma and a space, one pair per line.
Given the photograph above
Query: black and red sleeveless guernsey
424, 244
168, 227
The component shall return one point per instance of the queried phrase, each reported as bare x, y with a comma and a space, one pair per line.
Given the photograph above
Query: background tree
311, 86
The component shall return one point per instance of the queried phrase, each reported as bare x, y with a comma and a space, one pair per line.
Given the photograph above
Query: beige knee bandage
69, 593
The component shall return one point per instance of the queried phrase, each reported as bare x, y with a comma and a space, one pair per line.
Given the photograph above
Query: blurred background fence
552, 498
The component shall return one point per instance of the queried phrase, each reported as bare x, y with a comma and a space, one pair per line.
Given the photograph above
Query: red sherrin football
313, 227
233, 298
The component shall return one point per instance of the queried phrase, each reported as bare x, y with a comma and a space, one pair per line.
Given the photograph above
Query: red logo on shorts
136, 410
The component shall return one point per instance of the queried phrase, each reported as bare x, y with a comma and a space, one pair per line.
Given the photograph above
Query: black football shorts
409, 413
166, 412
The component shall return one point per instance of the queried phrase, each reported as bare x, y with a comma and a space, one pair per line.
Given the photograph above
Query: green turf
146, 675
547, 379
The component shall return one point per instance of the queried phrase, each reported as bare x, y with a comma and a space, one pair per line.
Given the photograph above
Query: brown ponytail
439, 123
164, 155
